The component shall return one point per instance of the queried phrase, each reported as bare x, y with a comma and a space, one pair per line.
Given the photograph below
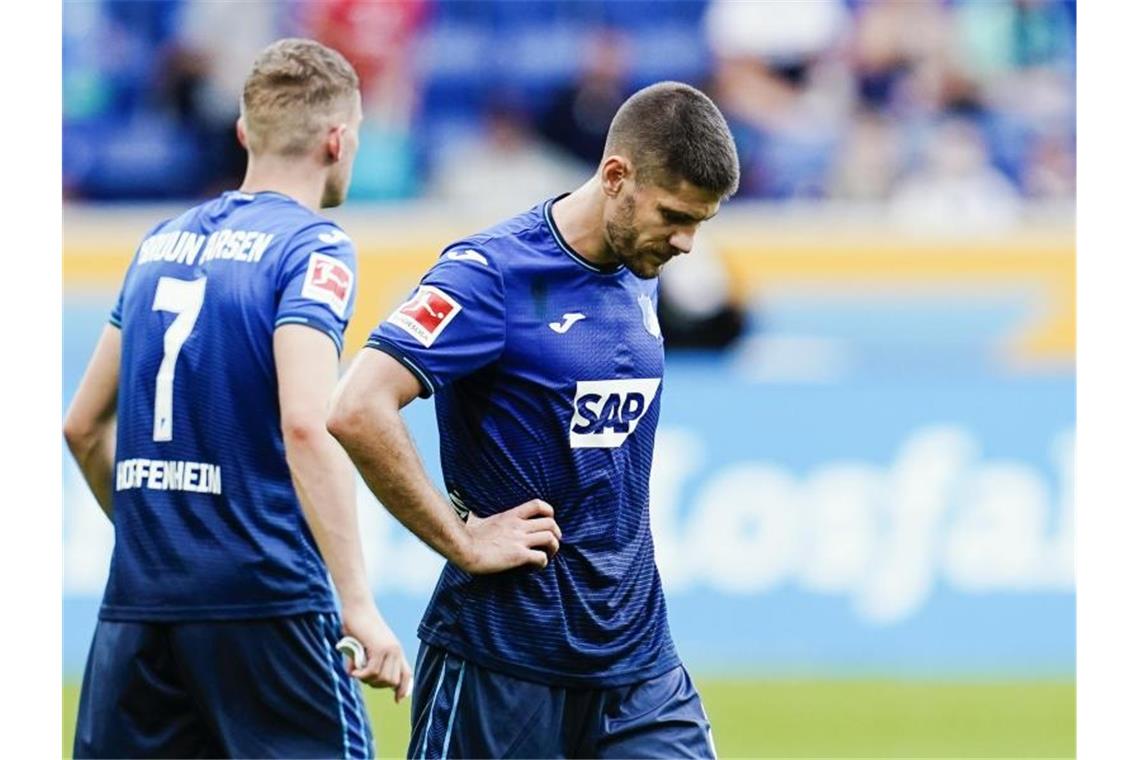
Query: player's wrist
358, 603
465, 555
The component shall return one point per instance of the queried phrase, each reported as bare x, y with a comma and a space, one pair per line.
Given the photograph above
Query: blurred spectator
827, 98
870, 159
782, 90
696, 306
900, 55
203, 76
579, 116
377, 39
955, 189
505, 166
1050, 171
116, 143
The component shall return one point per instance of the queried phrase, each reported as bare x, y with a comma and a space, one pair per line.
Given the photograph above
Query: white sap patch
607, 411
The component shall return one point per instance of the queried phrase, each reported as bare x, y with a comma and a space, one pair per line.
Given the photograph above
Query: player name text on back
185, 247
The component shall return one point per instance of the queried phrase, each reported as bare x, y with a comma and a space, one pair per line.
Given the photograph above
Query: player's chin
333, 197
646, 268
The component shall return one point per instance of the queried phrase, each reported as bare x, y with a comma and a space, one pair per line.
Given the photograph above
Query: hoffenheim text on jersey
207, 523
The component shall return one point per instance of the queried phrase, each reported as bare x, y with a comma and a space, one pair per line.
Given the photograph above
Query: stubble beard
621, 243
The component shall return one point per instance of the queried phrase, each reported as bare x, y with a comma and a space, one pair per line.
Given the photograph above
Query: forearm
323, 477
95, 455
382, 450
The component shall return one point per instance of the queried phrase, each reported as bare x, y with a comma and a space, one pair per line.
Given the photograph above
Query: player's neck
293, 178
579, 219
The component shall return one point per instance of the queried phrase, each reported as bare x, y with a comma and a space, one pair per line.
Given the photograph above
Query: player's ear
615, 171
334, 145
243, 140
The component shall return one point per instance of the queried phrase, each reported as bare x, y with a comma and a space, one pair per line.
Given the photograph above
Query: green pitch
849, 718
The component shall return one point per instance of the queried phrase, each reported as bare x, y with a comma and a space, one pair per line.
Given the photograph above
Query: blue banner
868, 522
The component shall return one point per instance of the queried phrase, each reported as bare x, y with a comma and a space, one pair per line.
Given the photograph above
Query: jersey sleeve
452, 324
317, 282
116, 317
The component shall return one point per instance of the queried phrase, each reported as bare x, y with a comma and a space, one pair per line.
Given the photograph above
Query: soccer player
547, 633
200, 427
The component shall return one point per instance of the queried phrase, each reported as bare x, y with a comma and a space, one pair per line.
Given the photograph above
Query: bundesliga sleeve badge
425, 315
329, 281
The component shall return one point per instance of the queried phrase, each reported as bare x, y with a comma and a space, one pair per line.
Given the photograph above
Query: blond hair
296, 89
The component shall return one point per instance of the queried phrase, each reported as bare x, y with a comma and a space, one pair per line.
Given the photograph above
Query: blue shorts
462, 710
274, 687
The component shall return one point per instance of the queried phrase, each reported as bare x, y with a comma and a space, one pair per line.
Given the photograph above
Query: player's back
207, 522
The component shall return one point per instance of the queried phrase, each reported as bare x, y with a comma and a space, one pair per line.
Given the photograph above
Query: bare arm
90, 423
307, 366
366, 420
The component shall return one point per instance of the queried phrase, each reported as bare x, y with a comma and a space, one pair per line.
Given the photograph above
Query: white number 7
184, 298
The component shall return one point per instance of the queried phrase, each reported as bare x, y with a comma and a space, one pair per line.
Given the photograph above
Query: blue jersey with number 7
207, 523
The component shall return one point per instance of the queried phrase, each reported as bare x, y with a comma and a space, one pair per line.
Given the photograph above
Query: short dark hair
671, 132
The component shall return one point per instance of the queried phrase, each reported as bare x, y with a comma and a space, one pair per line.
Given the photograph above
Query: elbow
350, 418
299, 432
78, 433
344, 422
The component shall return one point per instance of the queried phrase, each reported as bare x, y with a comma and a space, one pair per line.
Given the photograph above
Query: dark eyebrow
681, 216
678, 215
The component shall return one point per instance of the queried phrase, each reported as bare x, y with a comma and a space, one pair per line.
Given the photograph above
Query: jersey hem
663, 662
225, 612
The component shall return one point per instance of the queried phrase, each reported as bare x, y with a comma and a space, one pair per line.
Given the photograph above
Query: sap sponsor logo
886, 537
425, 315
607, 411
328, 280
468, 255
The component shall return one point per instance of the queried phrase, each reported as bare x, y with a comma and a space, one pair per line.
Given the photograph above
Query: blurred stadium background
863, 493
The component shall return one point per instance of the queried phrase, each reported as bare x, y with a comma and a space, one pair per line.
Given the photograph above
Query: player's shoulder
303, 225
320, 233
501, 247
297, 230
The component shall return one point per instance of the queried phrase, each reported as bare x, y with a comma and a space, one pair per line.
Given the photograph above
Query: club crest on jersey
607, 411
426, 314
649, 315
329, 281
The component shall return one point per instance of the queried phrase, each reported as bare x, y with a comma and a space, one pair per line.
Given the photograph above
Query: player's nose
682, 240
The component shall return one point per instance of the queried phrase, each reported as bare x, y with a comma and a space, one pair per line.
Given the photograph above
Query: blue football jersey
547, 373
207, 523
